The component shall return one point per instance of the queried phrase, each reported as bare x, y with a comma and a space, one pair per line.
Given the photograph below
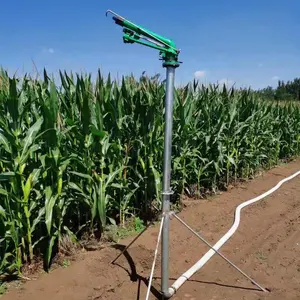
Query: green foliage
139, 226
284, 91
115, 233
84, 155
3, 288
66, 263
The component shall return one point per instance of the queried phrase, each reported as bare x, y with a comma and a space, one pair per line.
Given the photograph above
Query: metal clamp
167, 193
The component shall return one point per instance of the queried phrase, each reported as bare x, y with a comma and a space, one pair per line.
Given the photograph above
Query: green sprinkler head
136, 34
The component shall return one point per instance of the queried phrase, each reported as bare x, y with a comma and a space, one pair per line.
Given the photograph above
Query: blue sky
247, 42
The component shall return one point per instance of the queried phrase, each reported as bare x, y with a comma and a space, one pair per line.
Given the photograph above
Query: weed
116, 233
66, 263
3, 288
260, 255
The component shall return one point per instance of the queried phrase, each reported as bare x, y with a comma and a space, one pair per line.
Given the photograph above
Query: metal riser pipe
166, 192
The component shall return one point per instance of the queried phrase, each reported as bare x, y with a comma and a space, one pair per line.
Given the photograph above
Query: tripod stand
163, 234
172, 290
169, 54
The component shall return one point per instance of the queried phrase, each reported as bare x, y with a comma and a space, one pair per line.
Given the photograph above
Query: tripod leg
220, 254
155, 256
125, 249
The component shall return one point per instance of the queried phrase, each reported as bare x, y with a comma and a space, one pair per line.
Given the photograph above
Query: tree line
289, 90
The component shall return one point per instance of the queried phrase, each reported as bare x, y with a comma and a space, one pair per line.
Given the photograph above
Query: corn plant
77, 155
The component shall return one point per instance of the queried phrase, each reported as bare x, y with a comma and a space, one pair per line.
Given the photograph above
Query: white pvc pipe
184, 277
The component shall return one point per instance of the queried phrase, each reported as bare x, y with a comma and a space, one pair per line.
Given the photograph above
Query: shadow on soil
134, 276
219, 284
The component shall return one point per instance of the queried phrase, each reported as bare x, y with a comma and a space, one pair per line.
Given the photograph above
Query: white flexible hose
179, 282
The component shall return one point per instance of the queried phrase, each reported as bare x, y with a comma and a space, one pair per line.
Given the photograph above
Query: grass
66, 263
261, 255
3, 288
81, 158
116, 233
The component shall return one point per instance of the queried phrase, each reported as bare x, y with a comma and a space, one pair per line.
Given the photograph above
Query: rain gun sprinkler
169, 54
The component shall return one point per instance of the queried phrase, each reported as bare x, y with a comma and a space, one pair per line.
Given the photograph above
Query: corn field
82, 154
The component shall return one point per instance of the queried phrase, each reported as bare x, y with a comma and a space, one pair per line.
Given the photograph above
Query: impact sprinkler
136, 34
169, 54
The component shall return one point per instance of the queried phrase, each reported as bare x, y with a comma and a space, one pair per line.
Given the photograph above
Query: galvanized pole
166, 193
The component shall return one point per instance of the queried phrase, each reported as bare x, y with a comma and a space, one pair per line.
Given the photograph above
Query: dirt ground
266, 246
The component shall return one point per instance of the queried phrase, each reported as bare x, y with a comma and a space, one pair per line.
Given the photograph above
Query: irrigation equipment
169, 54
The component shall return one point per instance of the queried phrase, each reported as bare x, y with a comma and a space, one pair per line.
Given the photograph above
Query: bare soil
266, 246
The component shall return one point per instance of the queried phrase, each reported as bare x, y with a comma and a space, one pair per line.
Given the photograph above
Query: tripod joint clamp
166, 193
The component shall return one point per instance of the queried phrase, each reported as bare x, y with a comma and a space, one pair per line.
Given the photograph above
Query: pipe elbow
169, 293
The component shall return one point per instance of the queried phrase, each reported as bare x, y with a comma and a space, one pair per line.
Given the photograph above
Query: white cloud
199, 74
225, 81
275, 77
48, 50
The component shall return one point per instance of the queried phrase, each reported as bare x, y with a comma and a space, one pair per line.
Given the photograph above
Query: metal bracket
167, 193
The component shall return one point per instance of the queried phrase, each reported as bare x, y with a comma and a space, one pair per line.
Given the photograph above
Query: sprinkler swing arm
137, 34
